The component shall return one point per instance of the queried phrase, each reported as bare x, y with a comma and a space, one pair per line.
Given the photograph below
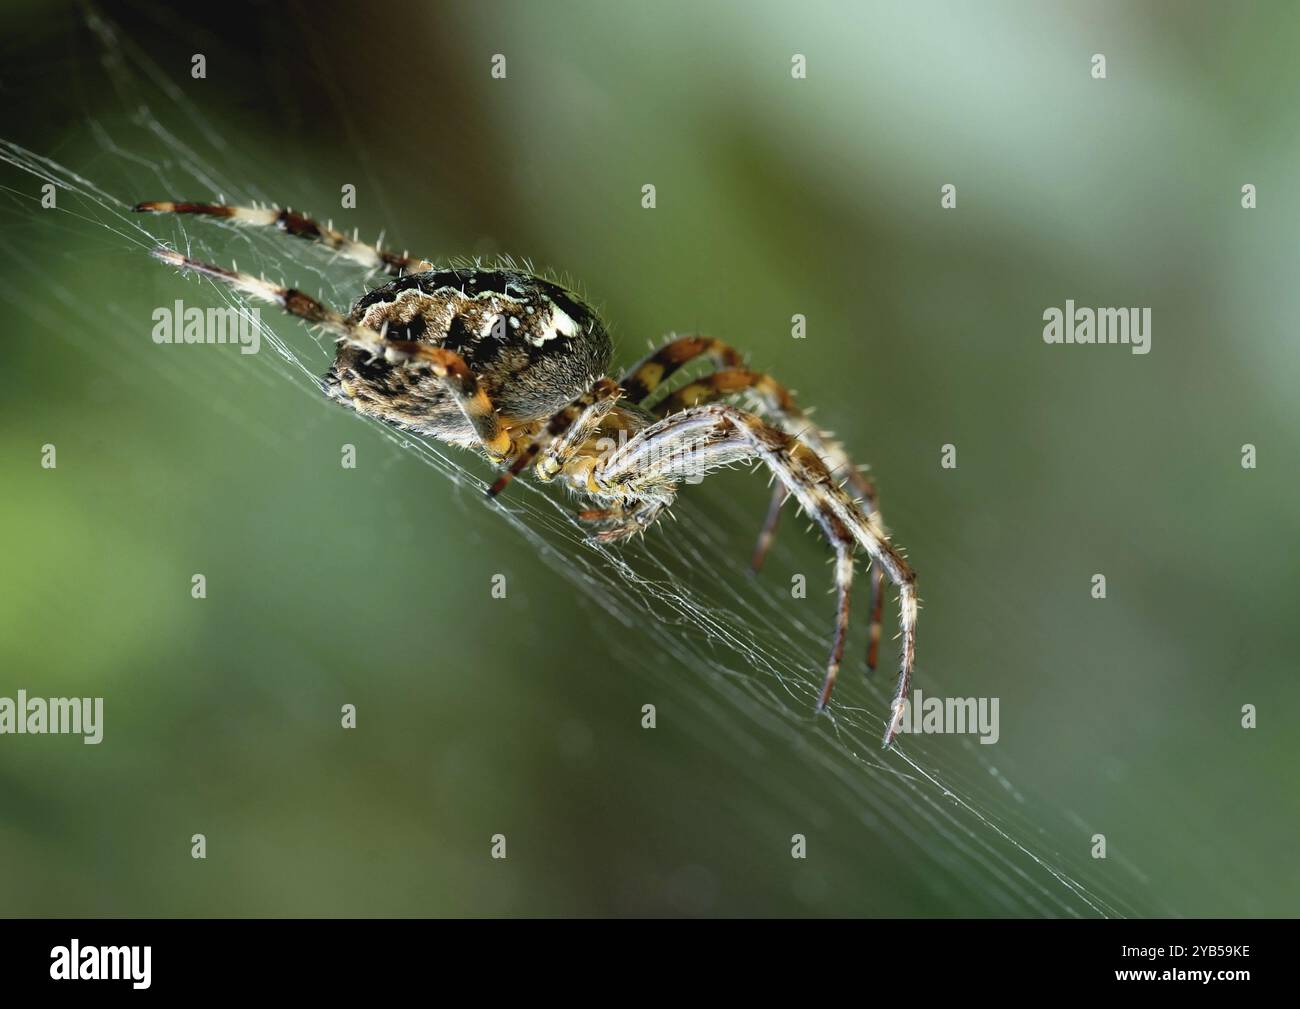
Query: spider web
747, 662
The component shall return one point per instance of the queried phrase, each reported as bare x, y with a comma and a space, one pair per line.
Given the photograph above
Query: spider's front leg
563, 435
730, 379
699, 439
447, 365
572, 443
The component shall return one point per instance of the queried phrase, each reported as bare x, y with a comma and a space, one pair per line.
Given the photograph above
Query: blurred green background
775, 196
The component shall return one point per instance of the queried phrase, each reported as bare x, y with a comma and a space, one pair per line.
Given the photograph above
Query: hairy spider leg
777, 401
447, 365
719, 434
300, 226
768, 533
647, 375
558, 453
620, 523
582, 416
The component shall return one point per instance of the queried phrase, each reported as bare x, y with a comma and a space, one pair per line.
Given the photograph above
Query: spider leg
300, 226
768, 533
843, 584
563, 434
447, 365
651, 372
706, 437
780, 405
647, 375
622, 521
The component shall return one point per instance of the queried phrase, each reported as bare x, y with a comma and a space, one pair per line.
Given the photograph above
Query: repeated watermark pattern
1077, 324
952, 716
37, 716
179, 324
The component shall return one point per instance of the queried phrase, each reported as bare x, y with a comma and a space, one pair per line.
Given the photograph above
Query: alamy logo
75, 962
951, 716
34, 716
178, 324
1099, 325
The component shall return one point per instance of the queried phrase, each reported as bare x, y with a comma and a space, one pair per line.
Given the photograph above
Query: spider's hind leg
300, 226
447, 365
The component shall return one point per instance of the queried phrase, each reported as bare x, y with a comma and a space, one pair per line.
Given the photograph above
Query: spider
513, 365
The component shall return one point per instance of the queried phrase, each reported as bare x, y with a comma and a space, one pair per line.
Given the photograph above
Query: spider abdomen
533, 345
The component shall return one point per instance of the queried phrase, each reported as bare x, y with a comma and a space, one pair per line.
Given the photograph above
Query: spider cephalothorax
516, 366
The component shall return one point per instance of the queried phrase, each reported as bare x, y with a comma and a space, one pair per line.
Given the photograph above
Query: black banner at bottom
366, 957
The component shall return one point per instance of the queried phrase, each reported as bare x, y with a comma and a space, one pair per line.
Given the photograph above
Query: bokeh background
775, 196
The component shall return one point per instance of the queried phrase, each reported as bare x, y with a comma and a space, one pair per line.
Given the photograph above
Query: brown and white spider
514, 366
